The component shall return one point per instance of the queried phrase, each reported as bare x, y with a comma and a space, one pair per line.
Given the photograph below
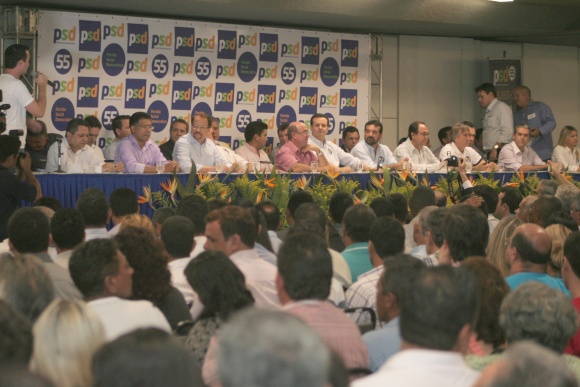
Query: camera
452, 161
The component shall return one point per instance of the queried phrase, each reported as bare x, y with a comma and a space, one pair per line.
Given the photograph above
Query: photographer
13, 189
15, 93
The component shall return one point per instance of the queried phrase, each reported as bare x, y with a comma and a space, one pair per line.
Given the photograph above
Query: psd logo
268, 47
308, 100
88, 92
181, 96
224, 97
89, 35
113, 31
137, 38
184, 41
349, 53
135, 93
310, 50
163, 42
65, 35
347, 104
226, 44
266, 99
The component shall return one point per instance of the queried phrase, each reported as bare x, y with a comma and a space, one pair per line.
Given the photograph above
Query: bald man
297, 154
528, 254
523, 211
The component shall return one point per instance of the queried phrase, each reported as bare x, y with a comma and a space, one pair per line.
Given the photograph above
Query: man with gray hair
434, 236
265, 348
523, 211
547, 187
575, 209
566, 194
420, 236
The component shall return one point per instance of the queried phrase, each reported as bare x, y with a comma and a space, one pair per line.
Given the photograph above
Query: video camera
3, 109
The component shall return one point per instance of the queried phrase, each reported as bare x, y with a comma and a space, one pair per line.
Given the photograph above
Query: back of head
382, 206
296, 199
572, 252
271, 214
566, 194
338, 204
25, 284
534, 246
442, 302
489, 195
388, 236
91, 263
67, 228
433, 223
307, 226
94, 207
561, 218
14, 54
543, 208
421, 197
137, 221
123, 202
177, 235
50, 202
146, 358
28, 231
269, 348
547, 187
305, 265
15, 337
357, 222
400, 206
311, 211
161, 215
195, 208
401, 271
466, 232
539, 313
9, 146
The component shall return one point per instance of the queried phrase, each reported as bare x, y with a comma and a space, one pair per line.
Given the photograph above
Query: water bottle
468, 164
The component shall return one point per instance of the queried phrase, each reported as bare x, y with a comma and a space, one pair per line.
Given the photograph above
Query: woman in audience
66, 336
151, 277
498, 242
487, 337
222, 290
566, 152
559, 233
139, 221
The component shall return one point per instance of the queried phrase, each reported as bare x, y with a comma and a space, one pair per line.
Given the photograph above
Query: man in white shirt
67, 231
415, 149
121, 129
371, 152
252, 151
519, 157
94, 208
232, 230
105, 278
460, 148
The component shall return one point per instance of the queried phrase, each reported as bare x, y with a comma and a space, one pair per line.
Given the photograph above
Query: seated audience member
159, 216
496, 248
272, 216
433, 235
528, 364
372, 153
355, 234
48, 201
28, 233
523, 211
528, 254
415, 149
282, 138
381, 206
518, 156
386, 238
435, 324
566, 194
466, 233
138, 221
444, 135
94, 207
421, 197
395, 282
538, 313
440, 199
25, 285
37, 146
103, 275
542, 208
178, 129
487, 336
298, 154
337, 206
137, 152
15, 337
72, 331
303, 285
252, 151
221, 288
571, 277
420, 228
195, 208
262, 240
123, 202
547, 188
266, 348
400, 207
490, 200
575, 210
145, 357
508, 201
198, 147
350, 137
460, 148
67, 231
151, 277
121, 129
558, 233
566, 152
294, 201
231, 230
561, 218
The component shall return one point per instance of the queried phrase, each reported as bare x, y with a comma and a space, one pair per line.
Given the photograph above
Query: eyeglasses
195, 127
146, 126
306, 132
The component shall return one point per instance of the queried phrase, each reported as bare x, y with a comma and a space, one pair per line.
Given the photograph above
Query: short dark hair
442, 301
28, 230
305, 265
512, 197
388, 236
162, 214
195, 208
442, 133
15, 337
357, 222
253, 128
375, 123
400, 206
93, 122
282, 128
235, 220
90, 263
490, 196
297, 198
9, 146
181, 121
542, 208
400, 272
486, 88
466, 231
319, 115
177, 234
434, 224
14, 54
94, 207
123, 201
67, 228
347, 130
382, 206
527, 250
414, 128
138, 116
271, 214
572, 251
421, 197
306, 226
73, 125
311, 211
338, 204
117, 123
48, 201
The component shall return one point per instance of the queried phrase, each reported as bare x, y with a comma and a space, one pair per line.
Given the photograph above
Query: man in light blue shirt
356, 235
371, 152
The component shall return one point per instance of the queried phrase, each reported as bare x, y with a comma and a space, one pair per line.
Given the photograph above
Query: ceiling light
502, 1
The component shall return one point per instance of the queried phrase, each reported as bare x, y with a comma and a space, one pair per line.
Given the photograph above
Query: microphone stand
59, 170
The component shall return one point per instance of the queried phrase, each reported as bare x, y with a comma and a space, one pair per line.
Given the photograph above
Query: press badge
531, 116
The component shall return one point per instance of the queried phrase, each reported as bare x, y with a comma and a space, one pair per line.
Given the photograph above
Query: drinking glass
160, 165
314, 166
219, 168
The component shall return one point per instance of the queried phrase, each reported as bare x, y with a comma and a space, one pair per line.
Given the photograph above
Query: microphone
34, 74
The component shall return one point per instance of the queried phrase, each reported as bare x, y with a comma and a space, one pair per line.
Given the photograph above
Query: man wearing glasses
371, 152
297, 154
137, 152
